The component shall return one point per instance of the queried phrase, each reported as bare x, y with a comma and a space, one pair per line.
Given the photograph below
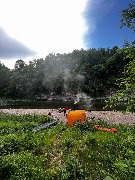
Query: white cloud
9, 63
45, 25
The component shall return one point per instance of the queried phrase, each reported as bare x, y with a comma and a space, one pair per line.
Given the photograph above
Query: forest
92, 71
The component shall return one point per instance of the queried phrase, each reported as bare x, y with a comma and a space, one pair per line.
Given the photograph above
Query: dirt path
109, 116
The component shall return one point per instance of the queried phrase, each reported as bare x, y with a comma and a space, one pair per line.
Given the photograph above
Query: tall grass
62, 152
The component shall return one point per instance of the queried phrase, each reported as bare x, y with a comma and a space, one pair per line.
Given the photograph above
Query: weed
62, 152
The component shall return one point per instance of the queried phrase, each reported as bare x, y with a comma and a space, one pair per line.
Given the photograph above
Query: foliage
92, 71
62, 152
128, 16
126, 95
4, 80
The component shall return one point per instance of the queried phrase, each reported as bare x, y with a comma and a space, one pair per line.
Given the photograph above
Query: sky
31, 29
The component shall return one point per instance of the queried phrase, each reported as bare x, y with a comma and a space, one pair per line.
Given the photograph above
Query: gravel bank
109, 116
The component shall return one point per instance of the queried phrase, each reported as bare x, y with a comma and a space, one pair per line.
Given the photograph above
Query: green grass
62, 152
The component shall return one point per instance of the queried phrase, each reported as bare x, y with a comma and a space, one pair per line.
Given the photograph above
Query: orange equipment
77, 115
98, 127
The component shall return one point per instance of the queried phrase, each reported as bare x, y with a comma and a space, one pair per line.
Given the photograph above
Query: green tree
126, 95
128, 16
18, 80
5, 74
19, 64
21, 81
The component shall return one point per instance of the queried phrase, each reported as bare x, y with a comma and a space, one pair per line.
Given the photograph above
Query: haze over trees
92, 71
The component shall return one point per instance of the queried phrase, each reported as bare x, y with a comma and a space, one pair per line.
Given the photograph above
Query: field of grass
61, 152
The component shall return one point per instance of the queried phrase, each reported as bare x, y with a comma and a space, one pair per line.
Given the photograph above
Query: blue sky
107, 32
32, 29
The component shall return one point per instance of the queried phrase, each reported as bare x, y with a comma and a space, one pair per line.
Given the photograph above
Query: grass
62, 152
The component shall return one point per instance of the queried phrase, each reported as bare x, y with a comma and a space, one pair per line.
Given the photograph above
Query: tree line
92, 71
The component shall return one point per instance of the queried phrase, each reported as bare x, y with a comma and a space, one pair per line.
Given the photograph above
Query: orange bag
74, 116
105, 129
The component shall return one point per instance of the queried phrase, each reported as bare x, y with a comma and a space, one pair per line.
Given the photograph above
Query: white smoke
86, 100
73, 83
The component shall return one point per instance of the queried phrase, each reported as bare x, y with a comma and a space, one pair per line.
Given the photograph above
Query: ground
109, 116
